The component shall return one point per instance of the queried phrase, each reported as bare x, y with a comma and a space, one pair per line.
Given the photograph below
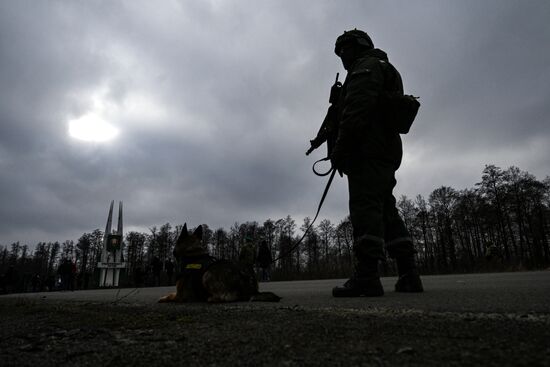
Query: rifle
328, 130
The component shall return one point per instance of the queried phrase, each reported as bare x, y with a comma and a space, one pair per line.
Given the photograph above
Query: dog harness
194, 265
193, 268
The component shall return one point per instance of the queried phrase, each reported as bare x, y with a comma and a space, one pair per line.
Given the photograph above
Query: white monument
111, 256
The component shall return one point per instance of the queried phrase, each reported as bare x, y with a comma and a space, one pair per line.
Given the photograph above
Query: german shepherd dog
203, 278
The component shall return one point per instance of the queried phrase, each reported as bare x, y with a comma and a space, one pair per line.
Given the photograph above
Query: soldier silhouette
369, 152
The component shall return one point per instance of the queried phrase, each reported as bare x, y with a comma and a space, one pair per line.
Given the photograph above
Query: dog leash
322, 174
118, 299
331, 172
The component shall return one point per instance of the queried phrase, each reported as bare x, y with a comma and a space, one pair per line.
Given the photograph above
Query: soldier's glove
339, 158
341, 153
314, 144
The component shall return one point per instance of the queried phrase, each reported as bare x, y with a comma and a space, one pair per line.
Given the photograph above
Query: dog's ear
184, 233
198, 232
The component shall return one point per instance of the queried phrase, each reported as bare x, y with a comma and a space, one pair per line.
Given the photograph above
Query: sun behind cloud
91, 127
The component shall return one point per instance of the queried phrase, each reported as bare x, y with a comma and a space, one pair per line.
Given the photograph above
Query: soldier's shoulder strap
364, 65
392, 78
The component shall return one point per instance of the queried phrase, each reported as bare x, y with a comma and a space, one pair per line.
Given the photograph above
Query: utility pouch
399, 110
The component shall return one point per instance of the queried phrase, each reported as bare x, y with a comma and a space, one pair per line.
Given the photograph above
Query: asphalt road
510, 293
498, 319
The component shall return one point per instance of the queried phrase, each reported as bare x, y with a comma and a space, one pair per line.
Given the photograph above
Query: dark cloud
215, 103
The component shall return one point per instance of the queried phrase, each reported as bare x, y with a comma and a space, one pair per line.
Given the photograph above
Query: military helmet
354, 36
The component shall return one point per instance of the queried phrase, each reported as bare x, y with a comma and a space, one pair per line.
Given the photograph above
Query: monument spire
119, 226
109, 220
112, 261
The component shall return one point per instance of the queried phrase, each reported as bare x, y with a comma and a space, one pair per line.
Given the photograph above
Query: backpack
397, 108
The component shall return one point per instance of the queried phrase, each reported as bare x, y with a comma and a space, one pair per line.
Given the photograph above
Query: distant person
156, 266
247, 254
36, 283
264, 260
138, 276
86, 279
3, 283
72, 274
80, 280
64, 272
369, 152
169, 266
492, 251
11, 279
50, 282
493, 257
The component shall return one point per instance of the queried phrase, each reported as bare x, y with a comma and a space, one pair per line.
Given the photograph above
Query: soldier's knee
369, 246
400, 247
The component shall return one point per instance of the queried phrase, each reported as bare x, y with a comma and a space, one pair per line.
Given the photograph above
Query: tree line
502, 223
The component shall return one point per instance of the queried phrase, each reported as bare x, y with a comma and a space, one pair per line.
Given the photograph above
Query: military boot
409, 279
365, 281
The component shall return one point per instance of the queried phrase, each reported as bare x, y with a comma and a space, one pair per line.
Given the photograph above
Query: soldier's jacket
362, 133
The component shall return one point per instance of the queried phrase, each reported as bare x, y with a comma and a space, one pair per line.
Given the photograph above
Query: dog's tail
265, 297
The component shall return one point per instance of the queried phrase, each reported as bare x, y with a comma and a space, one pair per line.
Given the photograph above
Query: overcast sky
210, 105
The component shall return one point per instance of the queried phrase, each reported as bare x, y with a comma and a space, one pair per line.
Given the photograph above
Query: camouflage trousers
373, 213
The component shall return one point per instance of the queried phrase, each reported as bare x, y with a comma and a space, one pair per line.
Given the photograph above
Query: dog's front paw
169, 298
